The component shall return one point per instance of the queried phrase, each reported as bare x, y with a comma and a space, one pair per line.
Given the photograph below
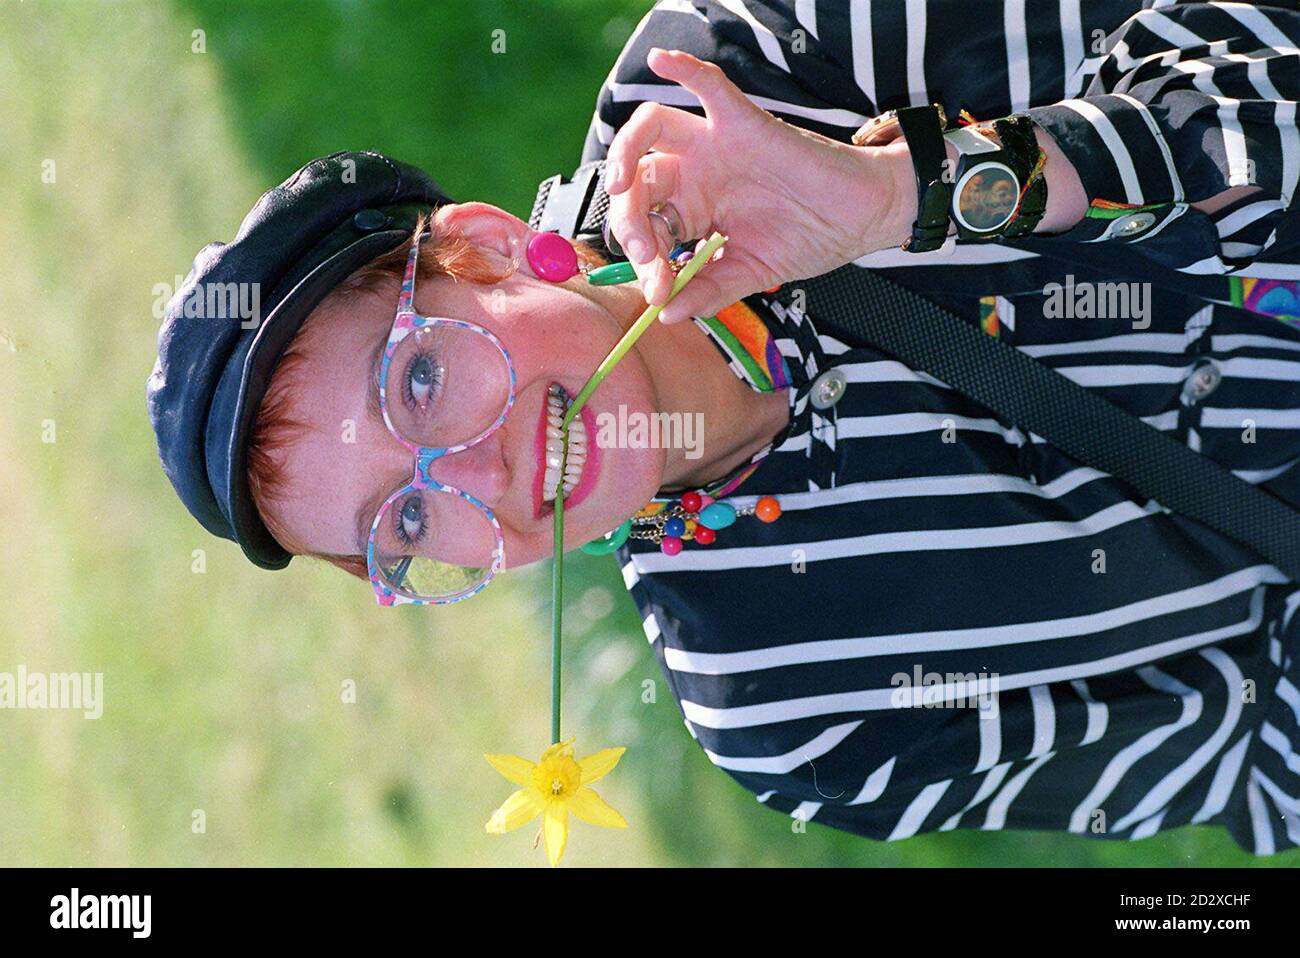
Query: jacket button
1204, 379
828, 388
1135, 224
368, 221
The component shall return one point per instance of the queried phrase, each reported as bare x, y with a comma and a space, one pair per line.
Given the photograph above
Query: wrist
887, 189
897, 226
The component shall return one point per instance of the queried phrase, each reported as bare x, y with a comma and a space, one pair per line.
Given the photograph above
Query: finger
652, 126
720, 97
634, 228
658, 281
717, 285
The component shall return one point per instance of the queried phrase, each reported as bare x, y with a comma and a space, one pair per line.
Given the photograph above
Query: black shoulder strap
575, 207
1036, 398
1023, 391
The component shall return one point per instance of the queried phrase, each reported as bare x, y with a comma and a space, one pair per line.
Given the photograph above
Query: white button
1204, 380
828, 388
1134, 224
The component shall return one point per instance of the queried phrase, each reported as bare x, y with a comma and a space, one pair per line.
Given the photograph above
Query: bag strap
576, 207
878, 312
1015, 386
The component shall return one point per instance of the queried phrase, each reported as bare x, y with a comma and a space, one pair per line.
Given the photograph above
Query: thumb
717, 285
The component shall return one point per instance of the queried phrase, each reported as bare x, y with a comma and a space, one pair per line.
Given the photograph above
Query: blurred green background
224, 688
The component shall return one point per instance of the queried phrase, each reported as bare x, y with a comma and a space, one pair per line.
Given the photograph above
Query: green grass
223, 689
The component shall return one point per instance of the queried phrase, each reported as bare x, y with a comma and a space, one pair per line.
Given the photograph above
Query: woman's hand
792, 203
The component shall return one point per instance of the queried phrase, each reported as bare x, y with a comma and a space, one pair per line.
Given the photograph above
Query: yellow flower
556, 785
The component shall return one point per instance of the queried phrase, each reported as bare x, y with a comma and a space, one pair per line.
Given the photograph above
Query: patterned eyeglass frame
406, 322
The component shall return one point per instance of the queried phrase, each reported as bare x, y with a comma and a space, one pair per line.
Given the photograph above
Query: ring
661, 211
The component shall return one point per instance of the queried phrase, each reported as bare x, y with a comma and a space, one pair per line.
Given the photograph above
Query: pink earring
552, 257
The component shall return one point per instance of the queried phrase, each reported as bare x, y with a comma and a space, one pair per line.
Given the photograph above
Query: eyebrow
372, 382
365, 517
366, 512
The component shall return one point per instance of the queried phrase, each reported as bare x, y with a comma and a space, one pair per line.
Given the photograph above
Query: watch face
985, 197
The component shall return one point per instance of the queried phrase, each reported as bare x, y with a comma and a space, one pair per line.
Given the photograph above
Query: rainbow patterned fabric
748, 344
1279, 298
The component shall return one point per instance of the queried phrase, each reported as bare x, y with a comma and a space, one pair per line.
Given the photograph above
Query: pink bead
670, 546
706, 499
552, 257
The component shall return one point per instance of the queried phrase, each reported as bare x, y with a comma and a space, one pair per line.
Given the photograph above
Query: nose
479, 470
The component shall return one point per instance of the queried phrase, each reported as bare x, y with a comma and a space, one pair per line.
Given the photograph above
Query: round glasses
444, 386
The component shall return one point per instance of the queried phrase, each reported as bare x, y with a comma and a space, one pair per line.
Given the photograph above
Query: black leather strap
922, 127
864, 308
1016, 134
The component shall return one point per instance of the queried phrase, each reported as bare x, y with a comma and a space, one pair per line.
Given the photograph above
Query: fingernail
639, 250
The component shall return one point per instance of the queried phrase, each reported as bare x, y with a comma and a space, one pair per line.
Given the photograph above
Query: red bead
704, 535
670, 546
767, 509
691, 502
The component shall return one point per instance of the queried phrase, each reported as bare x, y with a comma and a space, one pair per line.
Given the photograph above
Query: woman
1129, 671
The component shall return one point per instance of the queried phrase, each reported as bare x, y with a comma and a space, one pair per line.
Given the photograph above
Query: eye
409, 521
422, 379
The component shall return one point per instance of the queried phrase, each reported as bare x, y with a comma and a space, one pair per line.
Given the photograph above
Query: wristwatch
999, 190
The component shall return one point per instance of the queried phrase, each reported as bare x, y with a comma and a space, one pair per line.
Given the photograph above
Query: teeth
557, 401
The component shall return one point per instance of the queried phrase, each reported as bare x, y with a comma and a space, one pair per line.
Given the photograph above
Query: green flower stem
618, 352
557, 596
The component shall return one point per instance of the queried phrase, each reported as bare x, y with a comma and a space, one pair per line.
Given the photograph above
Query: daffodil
557, 785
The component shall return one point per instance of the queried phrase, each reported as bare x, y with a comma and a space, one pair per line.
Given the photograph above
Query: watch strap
1022, 153
922, 127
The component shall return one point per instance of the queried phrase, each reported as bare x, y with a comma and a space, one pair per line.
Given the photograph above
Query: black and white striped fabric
1146, 668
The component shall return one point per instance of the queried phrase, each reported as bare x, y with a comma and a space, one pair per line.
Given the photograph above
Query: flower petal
590, 807
515, 769
519, 809
599, 764
555, 826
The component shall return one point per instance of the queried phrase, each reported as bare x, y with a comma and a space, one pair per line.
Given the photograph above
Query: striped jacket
953, 624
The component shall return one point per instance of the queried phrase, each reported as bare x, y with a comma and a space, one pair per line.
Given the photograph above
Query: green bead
612, 274
610, 541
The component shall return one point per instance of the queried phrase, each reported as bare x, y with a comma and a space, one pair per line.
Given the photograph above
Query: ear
491, 229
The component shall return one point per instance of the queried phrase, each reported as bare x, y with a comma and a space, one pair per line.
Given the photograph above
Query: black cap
226, 328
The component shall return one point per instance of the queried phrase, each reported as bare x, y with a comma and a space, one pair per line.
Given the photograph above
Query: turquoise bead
717, 515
